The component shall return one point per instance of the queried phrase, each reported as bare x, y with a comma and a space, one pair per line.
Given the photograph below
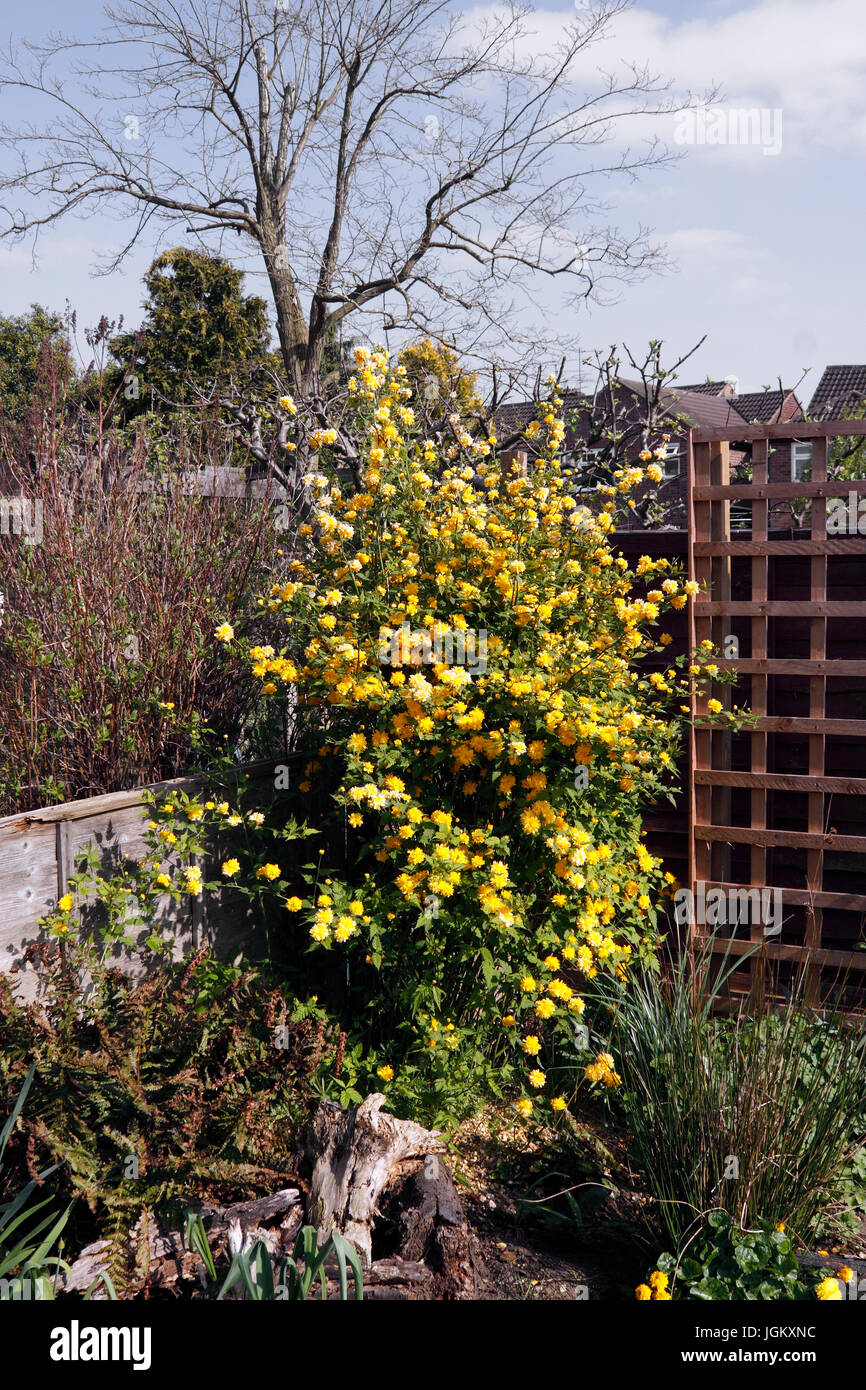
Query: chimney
731, 386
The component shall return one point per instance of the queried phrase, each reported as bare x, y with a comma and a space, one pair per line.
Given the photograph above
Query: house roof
698, 407
715, 411
838, 388
761, 405
706, 388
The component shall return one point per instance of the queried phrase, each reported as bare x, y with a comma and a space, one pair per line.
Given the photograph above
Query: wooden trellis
770, 594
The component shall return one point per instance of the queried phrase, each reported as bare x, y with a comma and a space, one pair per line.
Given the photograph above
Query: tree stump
382, 1183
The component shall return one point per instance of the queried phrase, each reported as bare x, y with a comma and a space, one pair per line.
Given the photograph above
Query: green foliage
296, 1274
26, 340
755, 1114
199, 329
726, 1261
27, 1244
195, 1078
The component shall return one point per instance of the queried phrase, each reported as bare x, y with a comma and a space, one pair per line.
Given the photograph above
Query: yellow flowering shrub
483, 689
463, 649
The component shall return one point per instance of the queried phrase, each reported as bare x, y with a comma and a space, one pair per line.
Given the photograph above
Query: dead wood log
353, 1154
160, 1260
382, 1183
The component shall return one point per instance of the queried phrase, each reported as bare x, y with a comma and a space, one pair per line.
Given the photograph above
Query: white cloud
807, 59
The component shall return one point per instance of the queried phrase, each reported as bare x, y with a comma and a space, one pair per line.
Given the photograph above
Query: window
672, 460
801, 461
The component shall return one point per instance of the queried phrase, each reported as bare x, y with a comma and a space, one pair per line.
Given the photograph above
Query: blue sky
768, 247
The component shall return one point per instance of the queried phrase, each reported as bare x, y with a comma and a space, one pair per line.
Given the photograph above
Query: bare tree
380, 157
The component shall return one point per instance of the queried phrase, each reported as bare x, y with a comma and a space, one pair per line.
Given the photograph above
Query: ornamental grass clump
463, 647
754, 1115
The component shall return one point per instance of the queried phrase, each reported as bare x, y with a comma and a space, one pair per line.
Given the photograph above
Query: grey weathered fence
39, 849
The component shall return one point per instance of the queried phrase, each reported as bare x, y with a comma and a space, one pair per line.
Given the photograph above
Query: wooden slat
787, 724
92, 806
758, 801
792, 839
832, 487
844, 960
781, 608
836, 545
791, 666
791, 429
801, 897
782, 781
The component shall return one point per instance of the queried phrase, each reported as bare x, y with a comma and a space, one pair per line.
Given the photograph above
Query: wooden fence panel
39, 850
777, 806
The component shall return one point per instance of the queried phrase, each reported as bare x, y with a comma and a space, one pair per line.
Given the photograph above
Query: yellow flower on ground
537, 1078
524, 1108
828, 1291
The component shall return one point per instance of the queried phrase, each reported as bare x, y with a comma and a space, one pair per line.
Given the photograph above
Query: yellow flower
294, 904
524, 1108
658, 1280
558, 1103
714, 705
545, 1008
509, 1021
527, 984
224, 633
192, 881
65, 903
231, 867
537, 1078
531, 1045
268, 871
386, 1073
828, 1291
643, 1293
846, 1274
